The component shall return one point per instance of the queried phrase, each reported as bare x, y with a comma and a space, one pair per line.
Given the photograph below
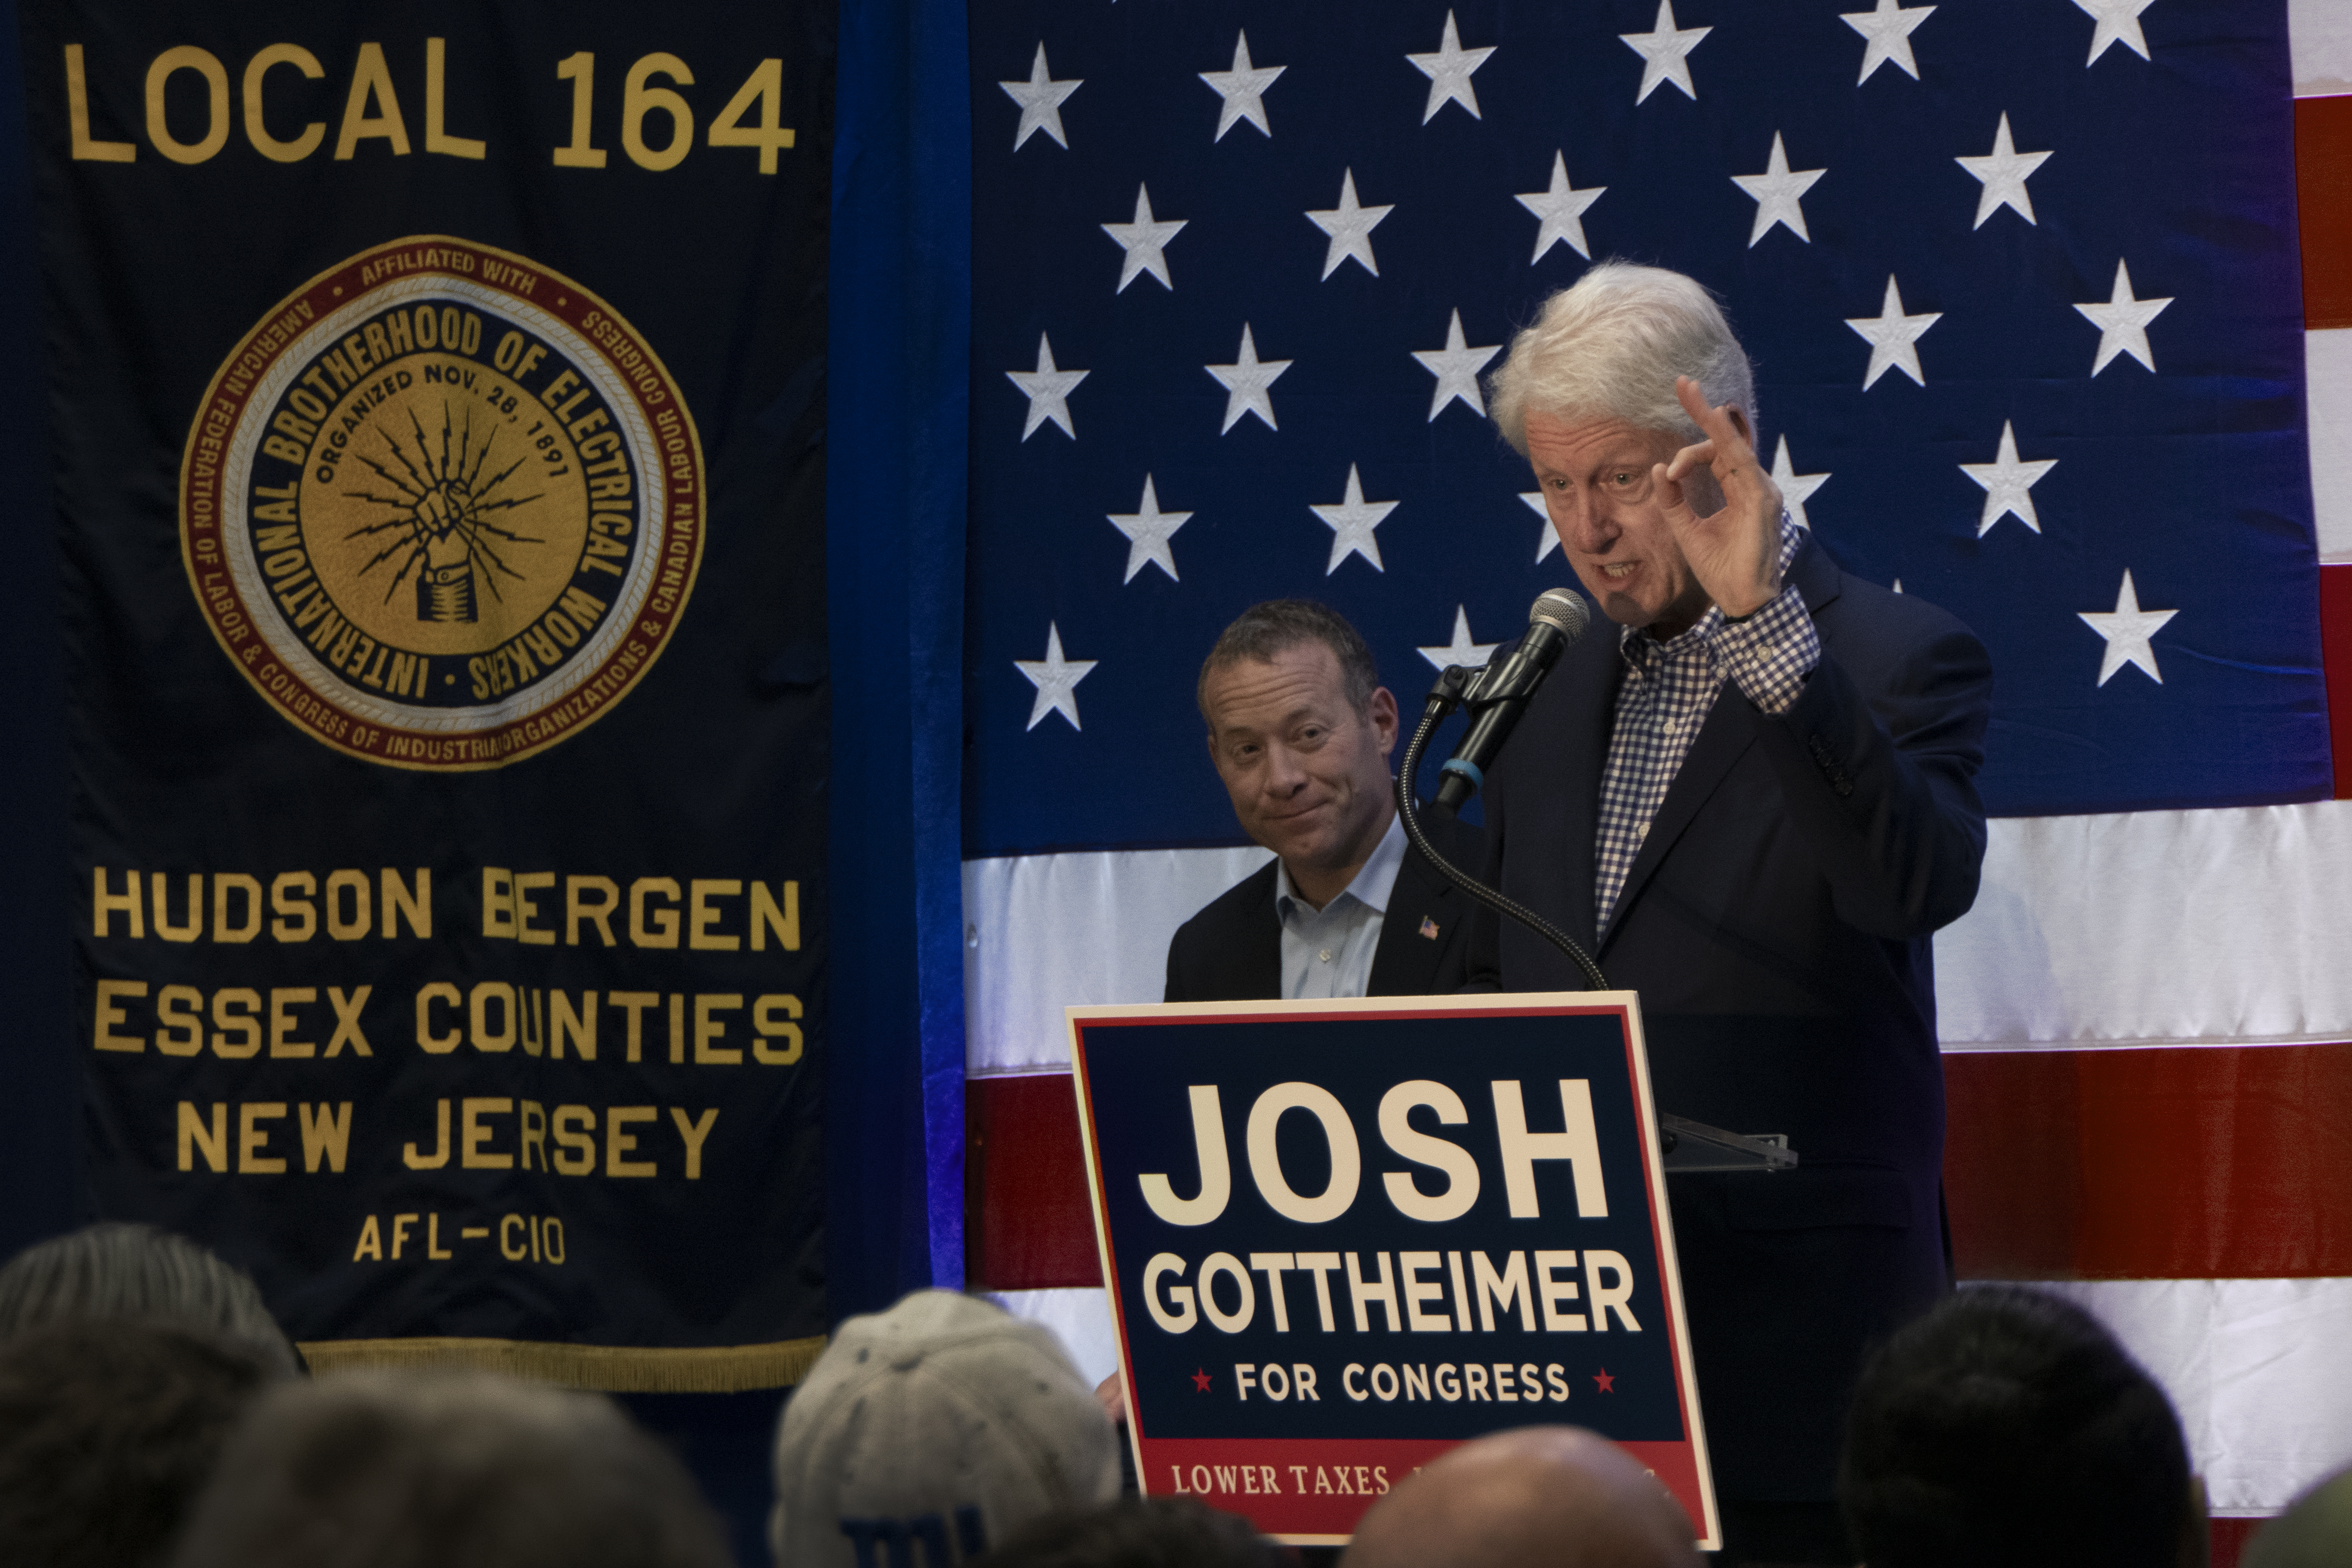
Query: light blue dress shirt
1328, 952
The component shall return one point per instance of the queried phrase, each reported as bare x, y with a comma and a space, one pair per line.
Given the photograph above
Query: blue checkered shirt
1669, 688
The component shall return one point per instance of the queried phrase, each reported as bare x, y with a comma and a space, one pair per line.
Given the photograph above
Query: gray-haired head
114, 1270
1276, 626
1609, 346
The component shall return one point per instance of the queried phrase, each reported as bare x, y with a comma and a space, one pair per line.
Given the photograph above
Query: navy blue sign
1342, 1237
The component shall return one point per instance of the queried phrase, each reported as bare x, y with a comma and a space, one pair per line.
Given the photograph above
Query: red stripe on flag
2226, 1162
2336, 646
2231, 1538
1029, 1223
2322, 187
2223, 1162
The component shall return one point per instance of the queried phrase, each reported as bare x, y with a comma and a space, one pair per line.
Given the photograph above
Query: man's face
1309, 774
1603, 500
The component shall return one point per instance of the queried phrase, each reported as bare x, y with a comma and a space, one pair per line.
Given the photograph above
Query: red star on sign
1608, 1384
1200, 1381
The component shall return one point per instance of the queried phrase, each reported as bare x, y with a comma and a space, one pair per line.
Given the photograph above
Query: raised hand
1734, 552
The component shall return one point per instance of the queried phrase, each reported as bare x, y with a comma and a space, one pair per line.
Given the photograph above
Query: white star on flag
2007, 483
1456, 368
1242, 90
1548, 540
1448, 71
2127, 629
1057, 680
1351, 523
1146, 243
1795, 488
1048, 389
1666, 53
1039, 98
1888, 29
2118, 23
1892, 337
1562, 210
1246, 382
1350, 228
2004, 172
1776, 193
1461, 650
1148, 530
2123, 323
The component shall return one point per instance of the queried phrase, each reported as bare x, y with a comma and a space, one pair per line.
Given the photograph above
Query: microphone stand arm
1455, 687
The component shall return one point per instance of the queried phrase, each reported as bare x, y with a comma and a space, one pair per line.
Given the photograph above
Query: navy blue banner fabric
2022, 285
37, 1148
439, 460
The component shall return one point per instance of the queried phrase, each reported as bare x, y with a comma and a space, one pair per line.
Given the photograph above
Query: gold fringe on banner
609, 1369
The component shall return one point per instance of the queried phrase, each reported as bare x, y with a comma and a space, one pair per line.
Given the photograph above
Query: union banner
439, 427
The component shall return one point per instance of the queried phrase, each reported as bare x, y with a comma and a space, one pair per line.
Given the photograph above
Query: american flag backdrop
2023, 282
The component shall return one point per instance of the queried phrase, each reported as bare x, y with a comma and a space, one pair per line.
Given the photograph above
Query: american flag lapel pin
1429, 927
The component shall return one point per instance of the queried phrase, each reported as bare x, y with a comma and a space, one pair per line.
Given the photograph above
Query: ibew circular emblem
442, 507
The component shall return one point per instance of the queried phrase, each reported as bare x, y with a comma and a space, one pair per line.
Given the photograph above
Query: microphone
1500, 692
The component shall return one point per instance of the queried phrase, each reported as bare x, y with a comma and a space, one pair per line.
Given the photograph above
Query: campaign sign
1343, 1236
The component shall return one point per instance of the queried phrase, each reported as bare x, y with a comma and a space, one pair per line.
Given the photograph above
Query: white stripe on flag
2327, 356
2261, 1371
2222, 926
2319, 32
1080, 1316
1047, 931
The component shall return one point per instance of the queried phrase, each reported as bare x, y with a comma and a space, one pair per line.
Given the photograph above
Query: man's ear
1740, 423
1382, 710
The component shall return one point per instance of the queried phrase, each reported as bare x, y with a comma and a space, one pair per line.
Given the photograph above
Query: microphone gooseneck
1556, 620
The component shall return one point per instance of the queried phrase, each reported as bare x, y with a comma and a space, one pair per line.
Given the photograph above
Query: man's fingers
1726, 428
1690, 458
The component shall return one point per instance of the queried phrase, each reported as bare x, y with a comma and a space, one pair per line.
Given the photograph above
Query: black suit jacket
1777, 923
1231, 950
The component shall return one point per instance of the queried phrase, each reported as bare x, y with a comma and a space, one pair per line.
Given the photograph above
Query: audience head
944, 1420
108, 1431
1137, 1533
2317, 1533
118, 1271
379, 1470
2007, 1425
1538, 1497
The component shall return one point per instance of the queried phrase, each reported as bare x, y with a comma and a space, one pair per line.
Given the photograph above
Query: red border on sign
1320, 1519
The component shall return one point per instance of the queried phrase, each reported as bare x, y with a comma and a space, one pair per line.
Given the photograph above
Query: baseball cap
944, 1421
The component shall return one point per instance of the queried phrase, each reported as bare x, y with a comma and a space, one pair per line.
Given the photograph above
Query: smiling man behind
1300, 732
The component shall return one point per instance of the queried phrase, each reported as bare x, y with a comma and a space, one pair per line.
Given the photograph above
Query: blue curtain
898, 396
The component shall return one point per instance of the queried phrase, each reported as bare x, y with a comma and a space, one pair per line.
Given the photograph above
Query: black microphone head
1564, 610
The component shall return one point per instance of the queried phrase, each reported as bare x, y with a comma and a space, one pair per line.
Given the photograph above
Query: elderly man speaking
1754, 805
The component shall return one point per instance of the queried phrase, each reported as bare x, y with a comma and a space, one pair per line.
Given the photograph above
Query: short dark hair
2007, 1426
1136, 1533
118, 1269
1275, 625
108, 1432
444, 1470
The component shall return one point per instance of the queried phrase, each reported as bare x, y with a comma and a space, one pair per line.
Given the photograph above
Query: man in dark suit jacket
1300, 732
1753, 804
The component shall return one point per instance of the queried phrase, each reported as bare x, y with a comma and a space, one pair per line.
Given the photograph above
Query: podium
1341, 1237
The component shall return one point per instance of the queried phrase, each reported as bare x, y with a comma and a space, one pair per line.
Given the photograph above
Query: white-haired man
1754, 803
